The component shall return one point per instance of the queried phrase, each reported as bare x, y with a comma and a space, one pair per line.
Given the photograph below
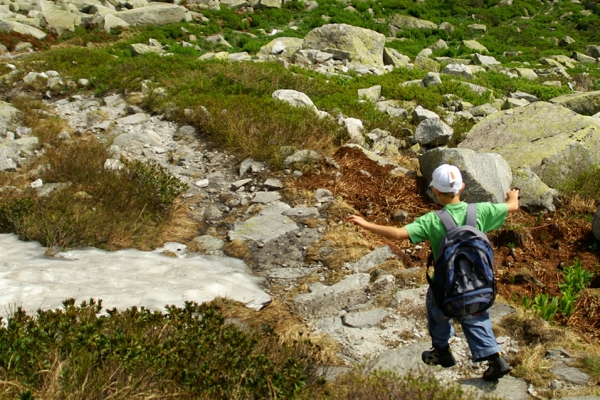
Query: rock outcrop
555, 143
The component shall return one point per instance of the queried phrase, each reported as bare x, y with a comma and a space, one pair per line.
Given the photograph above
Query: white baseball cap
447, 179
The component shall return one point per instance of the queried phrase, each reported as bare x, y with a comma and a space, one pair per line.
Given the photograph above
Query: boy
448, 185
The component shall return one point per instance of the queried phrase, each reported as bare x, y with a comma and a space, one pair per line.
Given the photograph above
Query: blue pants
477, 329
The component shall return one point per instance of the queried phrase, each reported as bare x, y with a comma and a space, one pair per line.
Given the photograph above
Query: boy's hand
512, 199
355, 219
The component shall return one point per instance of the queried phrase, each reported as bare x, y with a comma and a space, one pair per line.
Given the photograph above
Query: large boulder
487, 175
552, 141
399, 22
587, 103
348, 42
433, 132
7, 115
23, 29
535, 195
58, 20
155, 14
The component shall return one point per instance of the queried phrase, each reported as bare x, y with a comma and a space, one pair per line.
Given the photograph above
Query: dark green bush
191, 351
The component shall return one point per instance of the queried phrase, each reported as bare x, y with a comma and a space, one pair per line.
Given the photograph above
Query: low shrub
191, 352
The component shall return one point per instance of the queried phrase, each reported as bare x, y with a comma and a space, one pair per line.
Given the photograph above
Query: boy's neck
453, 200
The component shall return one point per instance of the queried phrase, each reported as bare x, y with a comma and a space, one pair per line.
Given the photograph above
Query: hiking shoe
496, 369
437, 357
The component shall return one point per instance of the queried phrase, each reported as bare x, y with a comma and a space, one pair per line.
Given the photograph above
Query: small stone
202, 183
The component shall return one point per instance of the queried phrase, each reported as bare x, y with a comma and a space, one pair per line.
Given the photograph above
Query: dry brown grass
340, 244
36, 115
287, 325
180, 227
530, 363
239, 249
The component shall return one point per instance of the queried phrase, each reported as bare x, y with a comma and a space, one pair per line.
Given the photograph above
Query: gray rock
507, 388
302, 157
137, 139
285, 46
592, 50
480, 59
8, 165
535, 195
371, 94
458, 70
330, 300
586, 103
218, 39
294, 98
250, 165
596, 224
527, 73
262, 228
266, 197
583, 58
210, 245
301, 212
23, 29
212, 213
511, 103
554, 142
138, 49
421, 114
374, 258
361, 45
395, 58
570, 374
273, 183
433, 132
524, 96
415, 296
482, 110
474, 45
487, 175
155, 14
289, 273
364, 319
432, 79
399, 22
238, 184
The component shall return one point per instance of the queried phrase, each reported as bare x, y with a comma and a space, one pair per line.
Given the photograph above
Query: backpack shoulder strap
447, 219
472, 215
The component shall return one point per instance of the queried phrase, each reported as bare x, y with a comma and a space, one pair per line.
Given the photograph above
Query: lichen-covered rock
487, 175
399, 21
554, 142
285, 46
358, 44
535, 195
586, 103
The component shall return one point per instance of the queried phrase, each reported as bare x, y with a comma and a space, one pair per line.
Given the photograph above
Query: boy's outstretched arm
389, 232
512, 200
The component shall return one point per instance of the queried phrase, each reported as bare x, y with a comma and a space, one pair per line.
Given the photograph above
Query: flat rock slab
374, 258
365, 319
266, 197
122, 279
262, 228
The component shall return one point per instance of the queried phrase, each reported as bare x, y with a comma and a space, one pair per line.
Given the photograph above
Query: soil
530, 250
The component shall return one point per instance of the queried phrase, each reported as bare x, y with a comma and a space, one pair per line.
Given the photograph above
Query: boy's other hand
355, 219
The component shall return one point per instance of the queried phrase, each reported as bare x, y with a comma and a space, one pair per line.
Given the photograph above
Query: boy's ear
464, 185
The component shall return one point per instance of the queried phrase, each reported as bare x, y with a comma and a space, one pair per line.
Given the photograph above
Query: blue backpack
463, 281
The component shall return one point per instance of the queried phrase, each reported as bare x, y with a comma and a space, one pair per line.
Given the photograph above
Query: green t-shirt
430, 227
